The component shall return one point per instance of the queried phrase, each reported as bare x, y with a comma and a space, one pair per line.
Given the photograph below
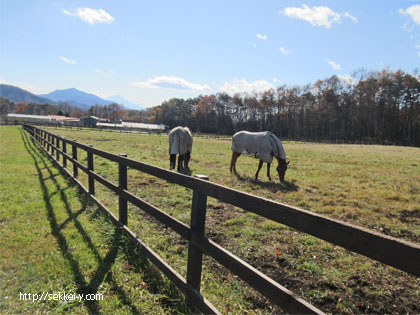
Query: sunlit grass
53, 240
371, 186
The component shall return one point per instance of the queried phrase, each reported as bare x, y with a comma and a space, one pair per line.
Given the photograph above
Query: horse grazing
180, 142
261, 145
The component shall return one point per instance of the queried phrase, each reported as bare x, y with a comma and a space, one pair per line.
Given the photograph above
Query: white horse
261, 145
180, 142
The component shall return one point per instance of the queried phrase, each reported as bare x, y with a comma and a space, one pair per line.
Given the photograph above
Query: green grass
372, 186
52, 240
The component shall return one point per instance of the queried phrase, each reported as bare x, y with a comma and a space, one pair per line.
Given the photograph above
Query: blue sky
150, 51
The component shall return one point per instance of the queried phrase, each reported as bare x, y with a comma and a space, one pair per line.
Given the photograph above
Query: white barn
24, 118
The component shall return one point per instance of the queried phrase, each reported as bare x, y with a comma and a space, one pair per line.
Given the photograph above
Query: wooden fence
398, 253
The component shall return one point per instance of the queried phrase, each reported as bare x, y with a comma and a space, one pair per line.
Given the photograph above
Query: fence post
48, 142
44, 139
90, 168
197, 223
57, 144
64, 152
52, 145
122, 183
35, 134
74, 151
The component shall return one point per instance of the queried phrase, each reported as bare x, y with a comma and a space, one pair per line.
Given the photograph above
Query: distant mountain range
73, 97
76, 98
15, 94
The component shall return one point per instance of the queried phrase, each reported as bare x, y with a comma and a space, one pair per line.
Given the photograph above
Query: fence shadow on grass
119, 243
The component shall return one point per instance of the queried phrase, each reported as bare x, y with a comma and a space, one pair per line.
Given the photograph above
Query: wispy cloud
243, 86
73, 62
263, 37
91, 16
285, 51
334, 65
317, 16
351, 17
172, 82
105, 73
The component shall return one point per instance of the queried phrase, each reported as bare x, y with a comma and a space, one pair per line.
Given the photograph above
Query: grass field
52, 240
372, 186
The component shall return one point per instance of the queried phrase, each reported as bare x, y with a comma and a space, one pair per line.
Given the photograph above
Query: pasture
372, 186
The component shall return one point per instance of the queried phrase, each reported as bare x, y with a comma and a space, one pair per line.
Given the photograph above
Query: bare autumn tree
377, 107
97, 111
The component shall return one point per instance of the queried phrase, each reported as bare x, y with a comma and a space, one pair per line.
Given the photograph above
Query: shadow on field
118, 243
273, 185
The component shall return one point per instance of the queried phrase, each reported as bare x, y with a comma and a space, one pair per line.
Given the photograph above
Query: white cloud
317, 16
347, 79
334, 65
172, 82
73, 62
263, 37
255, 45
413, 12
243, 86
418, 54
285, 51
91, 16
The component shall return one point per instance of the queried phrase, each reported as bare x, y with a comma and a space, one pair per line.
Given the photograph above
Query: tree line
377, 107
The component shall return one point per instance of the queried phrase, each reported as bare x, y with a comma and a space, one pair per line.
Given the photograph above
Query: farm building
156, 127
134, 126
63, 120
23, 118
89, 121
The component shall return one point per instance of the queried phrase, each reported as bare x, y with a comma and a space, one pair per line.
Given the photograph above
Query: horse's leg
268, 171
233, 161
172, 161
180, 161
259, 167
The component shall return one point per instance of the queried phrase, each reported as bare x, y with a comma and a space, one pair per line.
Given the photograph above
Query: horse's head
282, 168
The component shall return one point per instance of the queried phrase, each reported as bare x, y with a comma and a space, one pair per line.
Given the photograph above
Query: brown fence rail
389, 250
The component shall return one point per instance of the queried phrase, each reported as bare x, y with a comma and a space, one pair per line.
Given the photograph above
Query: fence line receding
397, 253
